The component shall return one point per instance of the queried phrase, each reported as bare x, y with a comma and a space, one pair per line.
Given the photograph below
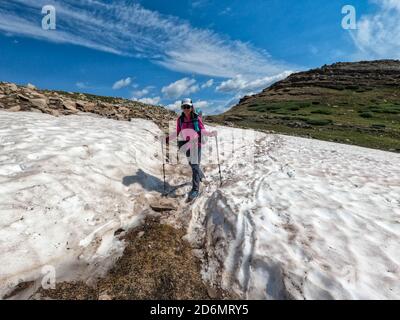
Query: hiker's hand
213, 134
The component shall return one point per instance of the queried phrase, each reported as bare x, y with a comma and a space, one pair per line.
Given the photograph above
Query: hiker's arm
205, 131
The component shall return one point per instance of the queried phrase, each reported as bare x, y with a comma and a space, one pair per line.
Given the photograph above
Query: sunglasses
186, 107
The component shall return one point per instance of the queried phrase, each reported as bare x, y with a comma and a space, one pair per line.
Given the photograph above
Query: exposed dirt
157, 264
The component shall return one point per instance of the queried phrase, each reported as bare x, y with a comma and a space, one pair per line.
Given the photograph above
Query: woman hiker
189, 130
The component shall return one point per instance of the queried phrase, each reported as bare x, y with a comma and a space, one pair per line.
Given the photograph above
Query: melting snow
306, 219
65, 190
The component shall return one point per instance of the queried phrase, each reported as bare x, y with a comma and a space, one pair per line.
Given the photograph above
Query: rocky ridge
28, 98
358, 76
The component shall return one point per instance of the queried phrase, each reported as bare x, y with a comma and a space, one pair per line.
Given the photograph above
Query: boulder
37, 95
85, 106
22, 97
55, 112
55, 101
39, 103
12, 87
69, 105
14, 109
35, 110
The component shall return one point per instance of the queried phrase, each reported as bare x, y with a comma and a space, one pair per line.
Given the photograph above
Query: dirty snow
66, 185
306, 220
294, 218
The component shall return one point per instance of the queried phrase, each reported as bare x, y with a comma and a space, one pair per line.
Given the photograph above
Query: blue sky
162, 51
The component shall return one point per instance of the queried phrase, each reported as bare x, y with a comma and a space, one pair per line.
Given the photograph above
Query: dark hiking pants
197, 174
194, 162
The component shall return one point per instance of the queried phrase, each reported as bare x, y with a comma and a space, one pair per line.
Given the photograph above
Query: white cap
187, 102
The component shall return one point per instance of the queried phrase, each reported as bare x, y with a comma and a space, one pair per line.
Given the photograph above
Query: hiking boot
193, 195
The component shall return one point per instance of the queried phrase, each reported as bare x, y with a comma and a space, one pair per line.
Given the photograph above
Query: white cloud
226, 11
176, 106
179, 88
198, 3
152, 101
240, 84
122, 83
378, 34
201, 104
129, 29
141, 93
207, 84
81, 85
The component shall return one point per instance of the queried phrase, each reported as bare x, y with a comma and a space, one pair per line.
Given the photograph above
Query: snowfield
294, 218
66, 185
307, 220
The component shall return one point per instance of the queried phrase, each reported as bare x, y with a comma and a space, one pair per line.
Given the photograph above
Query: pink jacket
187, 130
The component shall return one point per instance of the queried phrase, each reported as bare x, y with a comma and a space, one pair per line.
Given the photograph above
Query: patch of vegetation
378, 126
366, 115
267, 108
369, 118
319, 122
320, 111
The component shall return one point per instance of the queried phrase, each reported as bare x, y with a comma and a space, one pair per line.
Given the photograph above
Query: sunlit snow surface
64, 191
306, 220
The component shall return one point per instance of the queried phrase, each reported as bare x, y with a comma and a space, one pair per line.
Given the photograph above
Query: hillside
27, 98
353, 103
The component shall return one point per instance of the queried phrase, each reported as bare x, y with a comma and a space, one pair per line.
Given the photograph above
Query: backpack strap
181, 121
195, 122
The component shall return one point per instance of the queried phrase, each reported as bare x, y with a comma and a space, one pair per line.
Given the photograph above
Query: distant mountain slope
356, 103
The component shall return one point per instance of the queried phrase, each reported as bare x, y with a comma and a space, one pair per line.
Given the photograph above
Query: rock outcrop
28, 98
364, 74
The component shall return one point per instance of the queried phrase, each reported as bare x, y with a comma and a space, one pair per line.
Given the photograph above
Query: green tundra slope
354, 103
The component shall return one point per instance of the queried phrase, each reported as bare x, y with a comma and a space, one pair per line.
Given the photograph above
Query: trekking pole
163, 159
177, 151
219, 165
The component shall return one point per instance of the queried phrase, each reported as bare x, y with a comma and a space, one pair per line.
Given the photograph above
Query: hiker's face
187, 111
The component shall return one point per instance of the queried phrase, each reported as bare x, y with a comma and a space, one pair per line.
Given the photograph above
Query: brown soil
156, 264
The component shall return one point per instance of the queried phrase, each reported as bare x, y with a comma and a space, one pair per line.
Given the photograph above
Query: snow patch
63, 192
307, 220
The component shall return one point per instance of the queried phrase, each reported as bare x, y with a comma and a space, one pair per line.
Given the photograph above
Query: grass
368, 118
